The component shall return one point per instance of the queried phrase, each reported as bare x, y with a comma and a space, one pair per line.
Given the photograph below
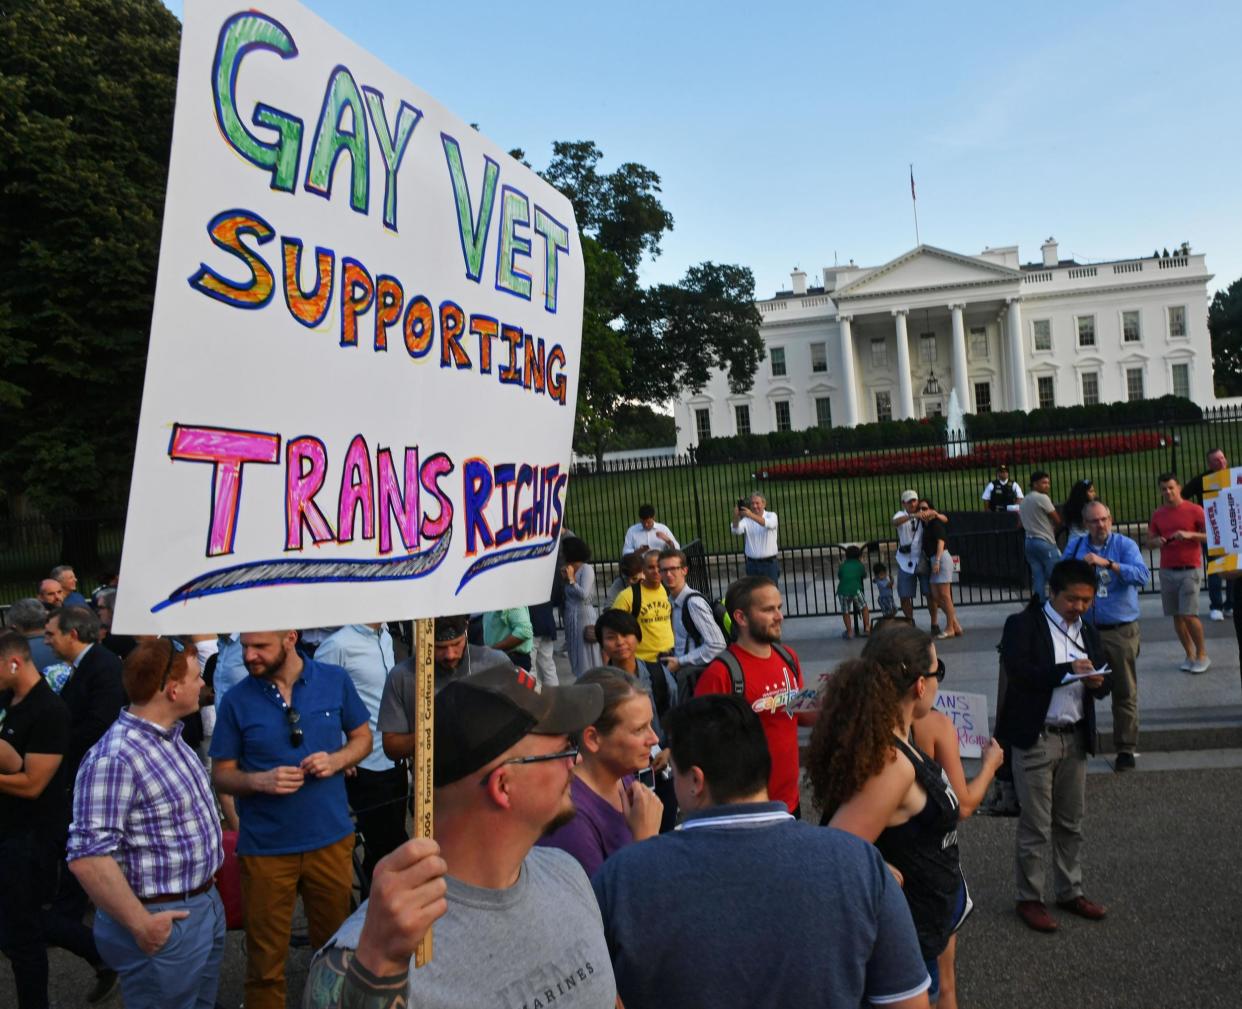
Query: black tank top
924, 848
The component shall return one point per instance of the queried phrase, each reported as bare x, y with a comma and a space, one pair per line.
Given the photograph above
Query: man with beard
767, 675
521, 926
284, 737
455, 659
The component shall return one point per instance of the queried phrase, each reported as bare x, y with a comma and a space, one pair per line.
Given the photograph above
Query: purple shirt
143, 797
596, 832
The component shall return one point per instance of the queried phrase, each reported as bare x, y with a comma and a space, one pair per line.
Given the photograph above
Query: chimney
1050, 252
799, 281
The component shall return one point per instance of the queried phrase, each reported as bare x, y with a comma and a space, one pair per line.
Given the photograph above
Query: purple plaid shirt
143, 797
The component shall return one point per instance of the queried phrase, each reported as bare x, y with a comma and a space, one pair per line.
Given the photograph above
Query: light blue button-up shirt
1116, 596
366, 654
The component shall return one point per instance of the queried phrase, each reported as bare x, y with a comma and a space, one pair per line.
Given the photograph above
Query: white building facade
892, 342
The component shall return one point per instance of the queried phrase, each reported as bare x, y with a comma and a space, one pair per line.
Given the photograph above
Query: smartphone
742, 502
646, 777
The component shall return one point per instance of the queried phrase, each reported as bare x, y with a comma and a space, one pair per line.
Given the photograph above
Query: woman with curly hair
871, 780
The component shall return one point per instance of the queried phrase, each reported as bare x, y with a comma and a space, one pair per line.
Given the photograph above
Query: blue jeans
770, 568
1042, 556
1216, 592
184, 973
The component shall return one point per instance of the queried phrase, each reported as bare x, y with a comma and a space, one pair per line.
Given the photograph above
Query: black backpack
688, 676
719, 614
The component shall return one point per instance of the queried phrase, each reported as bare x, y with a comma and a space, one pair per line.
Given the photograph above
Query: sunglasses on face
938, 672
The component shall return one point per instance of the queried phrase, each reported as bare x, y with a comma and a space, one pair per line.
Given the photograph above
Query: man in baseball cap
518, 921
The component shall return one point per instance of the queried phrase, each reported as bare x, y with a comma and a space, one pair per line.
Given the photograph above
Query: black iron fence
824, 502
828, 501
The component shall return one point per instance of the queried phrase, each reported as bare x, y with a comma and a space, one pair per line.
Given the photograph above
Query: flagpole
915, 204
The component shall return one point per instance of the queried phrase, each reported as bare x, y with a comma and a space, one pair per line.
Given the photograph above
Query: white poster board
1222, 516
364, 350
969, 713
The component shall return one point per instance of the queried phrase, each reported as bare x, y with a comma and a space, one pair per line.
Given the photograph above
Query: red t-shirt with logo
1188, 517
771, 687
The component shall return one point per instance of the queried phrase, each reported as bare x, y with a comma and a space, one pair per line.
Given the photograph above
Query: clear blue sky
783, 136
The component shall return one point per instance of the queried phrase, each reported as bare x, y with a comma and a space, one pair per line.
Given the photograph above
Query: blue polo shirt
252, 728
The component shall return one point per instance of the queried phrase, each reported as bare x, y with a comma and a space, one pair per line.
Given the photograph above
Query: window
703, 423
879, 354
1090, 388
784, 421
983, 397
778, 362
884, 405
1177, 321
1181, 380
1130, 332
979, 343
1134, 384
1042, 329
819, 357
1046, 385
1086, 330
823, 411
741, 417
927, 348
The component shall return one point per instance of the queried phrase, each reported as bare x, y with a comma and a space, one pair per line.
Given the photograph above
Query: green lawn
698, 501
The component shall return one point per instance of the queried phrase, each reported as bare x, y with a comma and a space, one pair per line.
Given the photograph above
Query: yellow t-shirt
655, 617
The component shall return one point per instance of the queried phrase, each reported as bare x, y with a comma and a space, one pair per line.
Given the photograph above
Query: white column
905, 390
848, 386
960, 378
1017, 358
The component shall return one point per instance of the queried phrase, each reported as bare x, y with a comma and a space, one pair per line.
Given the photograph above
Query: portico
943, 296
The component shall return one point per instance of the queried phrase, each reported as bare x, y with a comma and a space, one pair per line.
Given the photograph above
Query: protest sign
1222, 516
969, 714
364, 349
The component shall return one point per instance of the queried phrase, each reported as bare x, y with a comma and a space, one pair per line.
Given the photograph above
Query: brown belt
169, 898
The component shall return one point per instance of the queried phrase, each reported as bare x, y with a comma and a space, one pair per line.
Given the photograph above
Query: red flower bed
1015, 453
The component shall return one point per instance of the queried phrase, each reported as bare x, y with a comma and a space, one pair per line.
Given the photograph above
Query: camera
742, 502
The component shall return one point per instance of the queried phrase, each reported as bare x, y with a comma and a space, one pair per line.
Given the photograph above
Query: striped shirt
143, 797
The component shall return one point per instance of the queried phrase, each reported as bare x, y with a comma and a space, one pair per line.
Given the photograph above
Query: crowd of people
572, 821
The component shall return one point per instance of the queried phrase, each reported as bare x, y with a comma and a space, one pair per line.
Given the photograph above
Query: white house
889, 342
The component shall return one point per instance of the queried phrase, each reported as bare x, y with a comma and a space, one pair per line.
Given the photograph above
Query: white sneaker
1201, 665
1186, 664
1216, 615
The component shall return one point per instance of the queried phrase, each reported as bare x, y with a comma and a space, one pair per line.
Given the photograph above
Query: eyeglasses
938, 672
295, 731
570, 754
675, 567
172, 655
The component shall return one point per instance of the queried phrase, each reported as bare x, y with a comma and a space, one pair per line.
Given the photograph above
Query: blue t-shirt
252, 728
764, 886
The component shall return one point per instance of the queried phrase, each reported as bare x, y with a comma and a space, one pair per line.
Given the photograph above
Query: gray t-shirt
1036, 520
397, 702
538, 944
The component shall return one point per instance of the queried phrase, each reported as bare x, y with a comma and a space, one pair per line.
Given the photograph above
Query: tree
640, 346
1225, 327
86, 106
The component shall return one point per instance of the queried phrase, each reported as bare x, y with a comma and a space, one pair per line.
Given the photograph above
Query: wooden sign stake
424, 743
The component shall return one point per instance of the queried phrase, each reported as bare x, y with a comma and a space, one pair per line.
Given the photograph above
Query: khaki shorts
1179, 591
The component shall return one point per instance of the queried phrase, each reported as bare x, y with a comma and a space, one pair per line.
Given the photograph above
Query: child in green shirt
850, 576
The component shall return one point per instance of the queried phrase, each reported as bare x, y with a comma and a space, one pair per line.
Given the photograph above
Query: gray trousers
1121, 647
1051, 781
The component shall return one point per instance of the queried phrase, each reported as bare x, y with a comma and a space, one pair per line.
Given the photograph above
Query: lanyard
1066, 635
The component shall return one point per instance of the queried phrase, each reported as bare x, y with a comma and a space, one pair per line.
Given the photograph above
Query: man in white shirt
1001, 494
648, 534
696, 637
911, 564
753, 521
1052, 663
